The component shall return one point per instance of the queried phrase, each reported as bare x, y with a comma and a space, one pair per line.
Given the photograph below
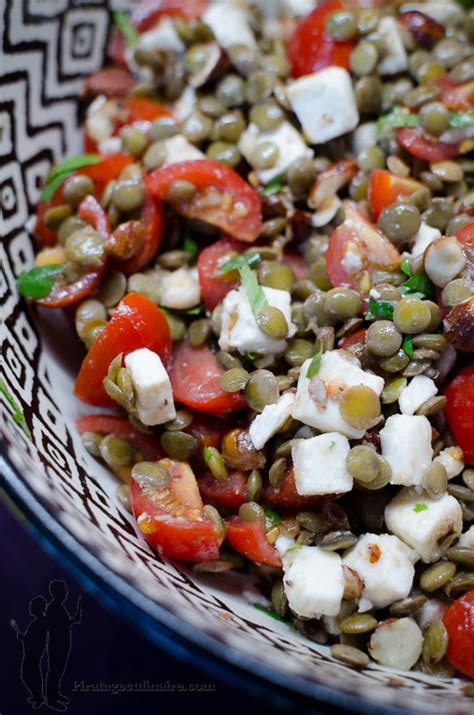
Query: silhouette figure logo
46, 646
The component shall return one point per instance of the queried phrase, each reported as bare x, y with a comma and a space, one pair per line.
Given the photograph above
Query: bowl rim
153, 621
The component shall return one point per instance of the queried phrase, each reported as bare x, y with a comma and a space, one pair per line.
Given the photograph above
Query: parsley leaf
37, 282
237, 261
122, 21
397, 117
407, 346
190, 245
17, 413
315, 364
252, 356
418, 284
273, 187
272, 516
61, 171
207, 454
405, 266
380, 309
253, 290
420, 507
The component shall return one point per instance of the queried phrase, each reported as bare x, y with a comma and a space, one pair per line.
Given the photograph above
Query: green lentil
318, 274
261, 389
215, 463
407, 606
180, 191
272, 322
368, 93
231, 91
252, 512
267, 115
461, 555
341, 25
197, 127
457, 291
76, 188
91, 441
363, 58
279, 599
128, 195
177, 327
150, 475
225, 153
360, 406
400, 221
179, 445
383, 477
363, 463
230, 126
134, 141
435, 642
411, 315
298, 351
383, 338
350, 655
259, 86
85, 247
437, 576
435, 480
154, 156
163, 128
254, 486
277, 471
273, 274
358, 623
234, 380
116, 452
342, 303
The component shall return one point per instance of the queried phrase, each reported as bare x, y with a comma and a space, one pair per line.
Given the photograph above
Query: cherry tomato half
147, 444
215, 288
417, 143
459, 622
459, 411
456, 96
385, 188
228, 493
249, 539
286, 497
154, 222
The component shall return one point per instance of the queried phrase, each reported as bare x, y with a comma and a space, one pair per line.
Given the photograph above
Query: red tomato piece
459, 411
249, 539
154, 220
91, 211
208, 431
146, 13
310, 49
357, 337
136, 323
195, 377
385, 188
459, 622
456, 96
109, 81
355, 248
215, 288
297, 265
417, 143
222, 199
286, 497
465, 235
106, 170
173, 520
228, 493
147, 444
144, 110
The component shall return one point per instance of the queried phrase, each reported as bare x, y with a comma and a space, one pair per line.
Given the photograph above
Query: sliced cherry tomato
109, 81
465, 235
355, 248
456, 96
144, 110
286, 497
136, 323
106, 170
249, 539
195, 377
228, 493
459, 622
154, 221
222, 199
357, 337
146, 13
147, 444
173, 519
459, 411
417, 143
208, 431
215, 288
91, 211
385, 188
310, 49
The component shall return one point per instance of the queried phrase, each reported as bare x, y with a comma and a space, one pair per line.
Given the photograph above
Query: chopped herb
418, 284
237, 261
273, 187
61, 171
397, 117
332, 444
37, 282
17, 413
380, 309
252, 356
315, 364
272, 516
270, 612
407, 346
207, 454
460, 120
122, 21
253, 290
294, 547
189, 244
420, 507
405, 266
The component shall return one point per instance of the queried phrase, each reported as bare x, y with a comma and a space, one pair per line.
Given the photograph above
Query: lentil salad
267, 250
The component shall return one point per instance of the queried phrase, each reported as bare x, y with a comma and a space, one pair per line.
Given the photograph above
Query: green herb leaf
253, 290
295, 547
207, 454
37, 282
273, 187
122, 21
252, 356
60, 172
315, 364
418, 284
237, 261
272, 516
269, 612
460, 120
380, 309
405, 266
190, 245
420, 507
407, 346
397, 117
17, 413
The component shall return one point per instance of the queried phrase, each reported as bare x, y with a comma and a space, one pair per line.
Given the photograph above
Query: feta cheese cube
271, 419
320, 464
162, 37
179, 290
337, 372
467, 539
229, 24
152, 386
313, 581
385, 565
416, 393
406, 445
239, 328
422, 522
426, 235
395, 57
452, 460
396, 643
324, 103
288, 140
178, 148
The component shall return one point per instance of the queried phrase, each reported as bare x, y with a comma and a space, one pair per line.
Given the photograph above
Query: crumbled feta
288, 140
467, 539
426, 235
313, 581
184, 105
444, 259
452, 460
152, 387
178, 148
324, 103
422, 522
395, 58
180, 289
229, 25
112, 145
406, 445
162, 37
337, 372
320, 464
271, 419
239, 329
432, 611
385, 565
397, 643
416, 393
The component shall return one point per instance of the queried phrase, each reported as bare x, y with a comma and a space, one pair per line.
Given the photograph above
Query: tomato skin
465, 235
109, 81
357, 337
459, 622
249, 539
286, 497
422, 146
215, 288
147, 444
195, 376
154, 220
456, 96
297, 265
310, 49
459, 411
136, 323
229, 493
144, 110
207, 176
147, 12
106, 170
386, 188
91, 211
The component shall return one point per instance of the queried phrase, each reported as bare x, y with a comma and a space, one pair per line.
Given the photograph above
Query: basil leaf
17, 414
405, 267
37, 282
397, 117
190, 245
420, 507
315, 364
61, 171
129, 32
253, 290
273, 187
418, 284
236, 262
380, 309
407, 346
272, 516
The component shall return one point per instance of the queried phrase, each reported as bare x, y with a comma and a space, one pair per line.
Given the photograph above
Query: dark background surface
104, 649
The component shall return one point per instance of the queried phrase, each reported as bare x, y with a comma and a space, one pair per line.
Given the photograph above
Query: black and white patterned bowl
49, 46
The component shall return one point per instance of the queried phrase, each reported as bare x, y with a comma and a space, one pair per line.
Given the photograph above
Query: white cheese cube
178, 148
337, 373
416, 393
152, 386
395, 57
324, 103
271, 419
432, 611
364, 136
422, 522
385, 565
313, 581
320, 464
467, 539
239, 328
163, 37
426, 235
184, 105
406, 445
396, 643
229, 24
452, 460
180, 289
289, 141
